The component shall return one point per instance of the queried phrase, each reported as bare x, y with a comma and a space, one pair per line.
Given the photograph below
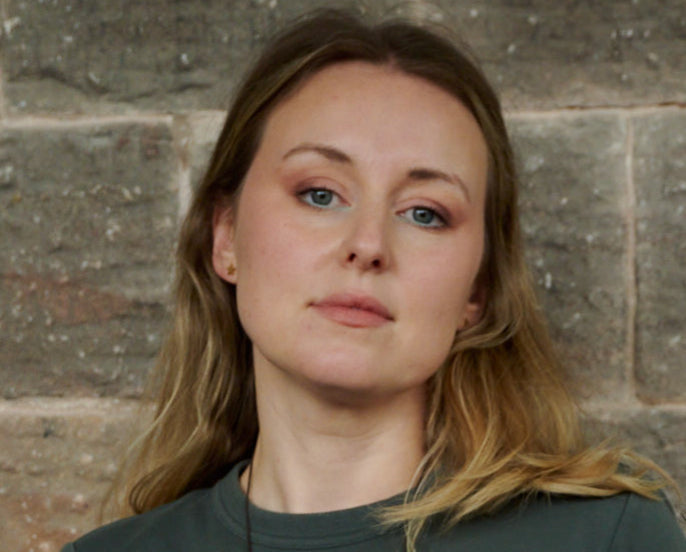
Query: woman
357, 360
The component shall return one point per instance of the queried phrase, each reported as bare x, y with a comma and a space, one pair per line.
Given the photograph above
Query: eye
318, 197
424, 216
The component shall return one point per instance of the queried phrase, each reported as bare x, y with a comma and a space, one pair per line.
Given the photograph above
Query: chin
358, 385
353, 396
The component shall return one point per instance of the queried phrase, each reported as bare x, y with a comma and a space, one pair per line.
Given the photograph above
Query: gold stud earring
230, 270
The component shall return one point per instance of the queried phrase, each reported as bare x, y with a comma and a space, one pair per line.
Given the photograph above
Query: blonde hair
500, 422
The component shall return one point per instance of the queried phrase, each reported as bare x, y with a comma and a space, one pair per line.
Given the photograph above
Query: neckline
283, 530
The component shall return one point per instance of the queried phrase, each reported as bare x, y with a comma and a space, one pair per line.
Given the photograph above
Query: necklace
248, 532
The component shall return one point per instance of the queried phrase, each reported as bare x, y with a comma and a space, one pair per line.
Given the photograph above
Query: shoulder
621, 523
647, 525
173, 526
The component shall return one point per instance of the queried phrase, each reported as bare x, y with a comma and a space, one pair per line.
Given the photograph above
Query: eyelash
442, 223
306, 197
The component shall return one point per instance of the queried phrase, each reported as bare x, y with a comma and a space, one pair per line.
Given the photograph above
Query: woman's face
359, 232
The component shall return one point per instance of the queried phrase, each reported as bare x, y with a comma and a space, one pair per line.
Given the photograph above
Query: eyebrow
421, 173
415, 173
331, 153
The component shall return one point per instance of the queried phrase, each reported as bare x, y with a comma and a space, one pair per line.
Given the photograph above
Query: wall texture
108, 109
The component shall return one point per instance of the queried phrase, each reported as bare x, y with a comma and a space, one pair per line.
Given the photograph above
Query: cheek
262, 234
274, 250
438, 311
443, 285
272, 258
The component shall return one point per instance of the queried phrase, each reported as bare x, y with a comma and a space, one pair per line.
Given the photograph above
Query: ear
475, 306
223, 250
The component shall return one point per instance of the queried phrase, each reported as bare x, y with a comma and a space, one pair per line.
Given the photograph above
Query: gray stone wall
108, 109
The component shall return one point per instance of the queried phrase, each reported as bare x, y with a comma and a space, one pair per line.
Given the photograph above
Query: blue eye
423, 216
318, 197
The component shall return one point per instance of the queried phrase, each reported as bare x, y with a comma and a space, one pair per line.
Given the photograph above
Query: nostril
376, 262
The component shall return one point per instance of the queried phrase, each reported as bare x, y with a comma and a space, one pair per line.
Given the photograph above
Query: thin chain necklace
248, 532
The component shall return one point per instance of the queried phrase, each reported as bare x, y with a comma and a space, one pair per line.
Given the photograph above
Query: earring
230, 270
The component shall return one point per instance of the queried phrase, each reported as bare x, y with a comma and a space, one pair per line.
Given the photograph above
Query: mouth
355, 311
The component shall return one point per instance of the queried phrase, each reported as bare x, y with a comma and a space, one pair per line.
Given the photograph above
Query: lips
356, 311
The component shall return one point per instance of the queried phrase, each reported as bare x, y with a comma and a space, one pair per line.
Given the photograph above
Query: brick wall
108, 109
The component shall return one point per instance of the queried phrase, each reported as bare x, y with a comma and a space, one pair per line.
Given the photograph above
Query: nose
366, 245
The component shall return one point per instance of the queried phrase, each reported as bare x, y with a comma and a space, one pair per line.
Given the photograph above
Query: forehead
348, 82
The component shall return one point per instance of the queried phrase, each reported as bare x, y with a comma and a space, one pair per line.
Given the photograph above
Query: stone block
660, 179
57, 461
114, 56
556, 54
573, 199
657, 433
88, 218
117, 56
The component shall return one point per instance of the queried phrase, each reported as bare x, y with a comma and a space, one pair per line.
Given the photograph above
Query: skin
368, 188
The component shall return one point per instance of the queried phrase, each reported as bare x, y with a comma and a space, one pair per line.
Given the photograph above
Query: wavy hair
500, 422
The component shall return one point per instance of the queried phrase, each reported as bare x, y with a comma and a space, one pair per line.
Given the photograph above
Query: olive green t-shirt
213, 520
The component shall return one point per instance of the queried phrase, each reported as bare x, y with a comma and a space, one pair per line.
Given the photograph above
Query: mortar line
3, 102
72, 120
42, 122
76, 406
637, 109
597, 408
68, 407
185, 191
182, 148
631, 269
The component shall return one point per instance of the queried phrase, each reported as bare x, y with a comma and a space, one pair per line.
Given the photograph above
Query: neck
316, 454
